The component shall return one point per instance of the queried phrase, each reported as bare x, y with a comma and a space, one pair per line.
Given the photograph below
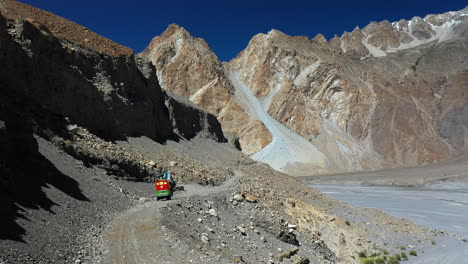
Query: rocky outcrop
114, 97
299, 83
186, 66
24, 172
62, 28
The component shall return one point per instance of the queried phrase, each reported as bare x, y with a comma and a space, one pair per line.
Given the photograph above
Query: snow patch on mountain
438, 28
376, 52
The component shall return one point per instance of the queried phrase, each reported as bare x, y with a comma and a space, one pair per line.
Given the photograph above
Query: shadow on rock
24, 172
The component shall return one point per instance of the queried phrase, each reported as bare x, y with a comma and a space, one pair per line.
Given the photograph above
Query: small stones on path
302, 260
287, 254
238, 198
251, 199
238, 259
213, 212
242, 230
209, 229
205, 238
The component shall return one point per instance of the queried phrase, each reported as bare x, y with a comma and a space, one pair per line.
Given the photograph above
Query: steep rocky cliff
187, 66
113, 97
364, 112
388, 95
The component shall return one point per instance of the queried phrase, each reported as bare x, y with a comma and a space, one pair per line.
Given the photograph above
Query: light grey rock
205, 238
241, 230
213, 212
238, 198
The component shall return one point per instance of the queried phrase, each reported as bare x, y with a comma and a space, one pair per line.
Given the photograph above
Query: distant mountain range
388, 95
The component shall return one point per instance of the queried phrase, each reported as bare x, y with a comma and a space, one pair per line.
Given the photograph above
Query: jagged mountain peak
320, 39
173, 32
187, 66
380, 38
277, 33
276, 36
322, 93
175, 29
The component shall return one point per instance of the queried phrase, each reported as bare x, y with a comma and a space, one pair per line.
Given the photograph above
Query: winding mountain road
139, 236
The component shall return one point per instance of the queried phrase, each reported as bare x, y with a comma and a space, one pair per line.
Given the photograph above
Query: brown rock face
367, 113
388, 95
62, 28
113, 97
187, 66
351, 43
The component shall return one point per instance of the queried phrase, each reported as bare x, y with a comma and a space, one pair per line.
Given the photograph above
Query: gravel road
139, 235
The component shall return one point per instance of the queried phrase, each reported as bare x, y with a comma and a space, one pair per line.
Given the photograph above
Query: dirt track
140, 236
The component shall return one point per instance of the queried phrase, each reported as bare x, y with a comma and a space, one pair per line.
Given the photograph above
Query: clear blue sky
228, 26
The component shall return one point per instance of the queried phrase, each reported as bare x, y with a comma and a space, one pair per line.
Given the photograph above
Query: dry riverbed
417, 176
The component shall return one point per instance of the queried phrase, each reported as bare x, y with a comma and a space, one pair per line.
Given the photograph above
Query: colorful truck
163, 189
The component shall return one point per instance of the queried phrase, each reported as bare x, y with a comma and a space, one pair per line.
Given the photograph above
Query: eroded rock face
114, 97
300, 84
187, 66
367, 113
62, 28
390, 94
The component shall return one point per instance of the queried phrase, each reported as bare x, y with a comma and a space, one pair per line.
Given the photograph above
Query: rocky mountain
388, 95
65, 78
380, 38
187, 66
85, 128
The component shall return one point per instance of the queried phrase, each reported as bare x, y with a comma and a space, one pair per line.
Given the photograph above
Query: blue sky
228, 26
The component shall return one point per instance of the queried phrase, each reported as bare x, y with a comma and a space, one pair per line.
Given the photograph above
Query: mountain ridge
337, 93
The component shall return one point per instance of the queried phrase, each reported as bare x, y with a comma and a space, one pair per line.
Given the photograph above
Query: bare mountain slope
380, 38
62, 28
389, 95
187, 66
